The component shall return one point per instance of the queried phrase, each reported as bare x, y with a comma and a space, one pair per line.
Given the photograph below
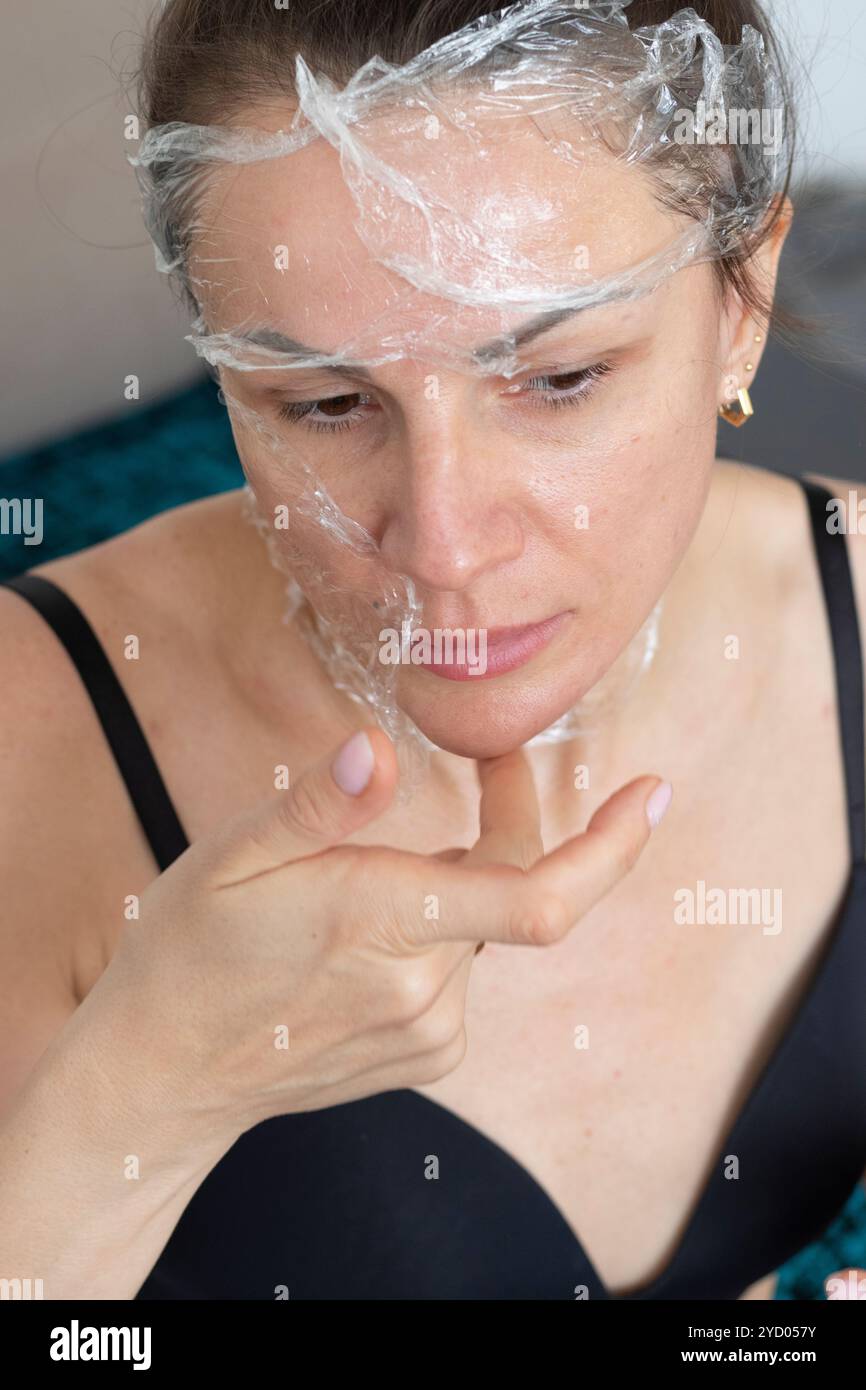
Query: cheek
337, 568
285, 464
641, 493
631, 470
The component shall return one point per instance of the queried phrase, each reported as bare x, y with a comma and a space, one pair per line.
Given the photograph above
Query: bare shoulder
774, 520
160, 570
70, 842
150, 577
51, 791
846, 514
776, 558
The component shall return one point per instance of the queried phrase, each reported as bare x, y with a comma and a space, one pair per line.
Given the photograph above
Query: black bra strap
142, 777
835, 566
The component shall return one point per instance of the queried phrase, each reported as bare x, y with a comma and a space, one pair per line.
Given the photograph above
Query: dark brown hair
205, 61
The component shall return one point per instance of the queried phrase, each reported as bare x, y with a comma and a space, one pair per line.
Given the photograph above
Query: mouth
495, 650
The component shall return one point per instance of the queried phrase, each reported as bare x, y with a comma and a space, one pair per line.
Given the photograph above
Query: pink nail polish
353, 765
658, 803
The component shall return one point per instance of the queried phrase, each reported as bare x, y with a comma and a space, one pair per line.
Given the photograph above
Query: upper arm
46, 855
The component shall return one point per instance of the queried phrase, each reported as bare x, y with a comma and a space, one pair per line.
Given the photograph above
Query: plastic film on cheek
342, 622
460, 171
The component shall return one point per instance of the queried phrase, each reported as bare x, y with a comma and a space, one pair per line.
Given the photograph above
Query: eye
565, 388
328, 413
554, 390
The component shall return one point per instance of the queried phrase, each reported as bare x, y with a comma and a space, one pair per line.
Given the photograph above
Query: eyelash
297, 412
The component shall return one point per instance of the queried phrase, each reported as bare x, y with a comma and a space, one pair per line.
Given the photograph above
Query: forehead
419, 224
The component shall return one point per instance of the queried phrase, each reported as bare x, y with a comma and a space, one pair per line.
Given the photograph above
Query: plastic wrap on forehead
403, 133
460, 243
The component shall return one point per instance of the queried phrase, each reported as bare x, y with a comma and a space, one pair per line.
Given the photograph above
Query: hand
277, 969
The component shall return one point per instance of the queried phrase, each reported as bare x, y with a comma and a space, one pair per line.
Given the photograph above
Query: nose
454, 515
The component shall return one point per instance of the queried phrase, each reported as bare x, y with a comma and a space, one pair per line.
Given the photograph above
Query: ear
742, 336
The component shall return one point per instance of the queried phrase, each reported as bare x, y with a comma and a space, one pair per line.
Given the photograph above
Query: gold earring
737, 413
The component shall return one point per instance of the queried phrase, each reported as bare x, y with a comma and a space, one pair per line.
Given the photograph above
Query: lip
507, 649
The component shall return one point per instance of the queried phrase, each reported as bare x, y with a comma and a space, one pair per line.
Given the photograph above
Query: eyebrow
533, 328
278, 342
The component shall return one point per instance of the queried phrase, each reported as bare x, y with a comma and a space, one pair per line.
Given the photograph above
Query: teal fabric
106, 480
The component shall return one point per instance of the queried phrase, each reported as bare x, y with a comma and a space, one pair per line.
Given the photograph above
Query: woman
284, 1035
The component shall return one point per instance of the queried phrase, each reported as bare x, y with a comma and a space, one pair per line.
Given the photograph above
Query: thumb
329, 801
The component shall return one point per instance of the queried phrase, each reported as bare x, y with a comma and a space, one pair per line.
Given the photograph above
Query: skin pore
472, 495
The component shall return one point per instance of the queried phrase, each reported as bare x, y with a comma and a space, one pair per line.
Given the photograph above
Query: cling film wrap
464, 247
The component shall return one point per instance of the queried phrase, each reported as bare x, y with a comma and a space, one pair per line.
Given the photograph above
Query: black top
338, 1204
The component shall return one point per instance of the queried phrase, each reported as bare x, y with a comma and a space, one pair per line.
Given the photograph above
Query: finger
451, 856
509, 815
329, 801
538, 906
585, 868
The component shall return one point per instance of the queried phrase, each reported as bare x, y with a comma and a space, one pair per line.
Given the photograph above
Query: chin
478, 722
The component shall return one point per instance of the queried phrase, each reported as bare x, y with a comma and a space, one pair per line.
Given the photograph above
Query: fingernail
353, 765
658, 803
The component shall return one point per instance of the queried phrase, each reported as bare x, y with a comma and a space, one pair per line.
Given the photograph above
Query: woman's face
568, 489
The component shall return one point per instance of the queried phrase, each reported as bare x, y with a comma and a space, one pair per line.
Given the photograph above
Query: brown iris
337, 405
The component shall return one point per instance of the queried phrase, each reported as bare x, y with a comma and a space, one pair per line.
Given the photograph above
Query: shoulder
847, 515
138, 575
51, 841
776, 560
63, 809
149, 569
775, 525
164, 578
54, 782
160, 577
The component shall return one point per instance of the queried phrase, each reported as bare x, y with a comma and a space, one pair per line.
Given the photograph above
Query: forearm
97, 1163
